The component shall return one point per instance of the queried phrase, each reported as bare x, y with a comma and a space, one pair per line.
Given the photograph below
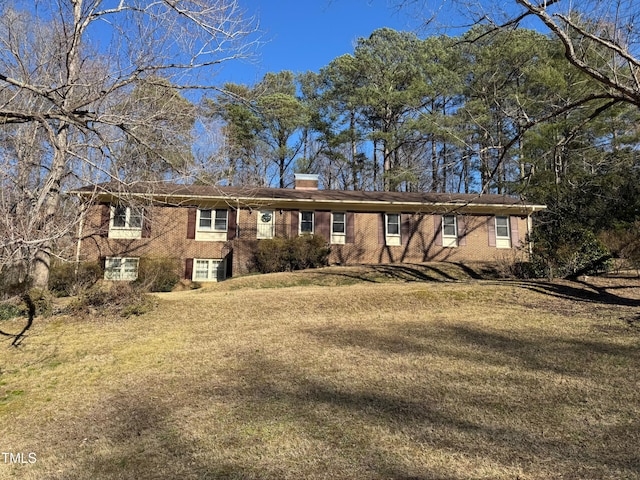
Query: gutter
394, 205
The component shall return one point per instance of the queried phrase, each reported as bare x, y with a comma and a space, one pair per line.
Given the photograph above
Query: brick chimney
305, 181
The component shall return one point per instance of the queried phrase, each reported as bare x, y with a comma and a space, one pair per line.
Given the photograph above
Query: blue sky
301, 35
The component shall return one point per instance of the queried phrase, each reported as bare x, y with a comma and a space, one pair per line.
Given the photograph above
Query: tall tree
66, 68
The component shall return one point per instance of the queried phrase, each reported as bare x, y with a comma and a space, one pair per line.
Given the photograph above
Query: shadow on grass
355, 422
407, 272
583, 292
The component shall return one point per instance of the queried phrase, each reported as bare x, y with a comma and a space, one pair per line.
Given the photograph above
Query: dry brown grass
355, 378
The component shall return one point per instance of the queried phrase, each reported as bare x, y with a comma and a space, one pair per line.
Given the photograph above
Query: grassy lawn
341, 374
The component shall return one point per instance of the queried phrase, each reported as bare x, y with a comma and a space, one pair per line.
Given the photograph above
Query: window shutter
105, 219
515, 237
491, 229
146, 223
295, 219
188, 268
191, 223
323, 224
231, 224
462, 230
381, 229
437, 228
405, 228
351, 228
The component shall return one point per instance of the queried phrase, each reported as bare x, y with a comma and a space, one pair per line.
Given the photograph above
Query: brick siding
167, 234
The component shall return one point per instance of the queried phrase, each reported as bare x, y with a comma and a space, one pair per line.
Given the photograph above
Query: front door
266, 219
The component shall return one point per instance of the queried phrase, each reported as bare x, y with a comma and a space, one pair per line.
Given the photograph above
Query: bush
63, 280
10, 310
287, 254
569, 252
158, 274
624, 243
122, 298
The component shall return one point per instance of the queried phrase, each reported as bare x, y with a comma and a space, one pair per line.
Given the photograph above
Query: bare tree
67, 67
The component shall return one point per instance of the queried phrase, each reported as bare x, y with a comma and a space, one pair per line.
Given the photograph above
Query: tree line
495, 110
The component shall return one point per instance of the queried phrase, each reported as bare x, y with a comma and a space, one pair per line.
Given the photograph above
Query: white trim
339, 238
211, 234
392, 239
123, 273
313, 222
126, 231
215, 270
503, 241
450, 241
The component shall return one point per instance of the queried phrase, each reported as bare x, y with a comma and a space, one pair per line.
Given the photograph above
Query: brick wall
167, 237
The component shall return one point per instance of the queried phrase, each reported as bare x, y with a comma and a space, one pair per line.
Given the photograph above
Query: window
338, 227
215, 218
306, 222
126, 222
208, 270
392, 225
449, 231
211, 225
118, 268
503, 237
126, 217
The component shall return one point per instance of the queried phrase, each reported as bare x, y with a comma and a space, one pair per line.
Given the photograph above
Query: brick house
213, 231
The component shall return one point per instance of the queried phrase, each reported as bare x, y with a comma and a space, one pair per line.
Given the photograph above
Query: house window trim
123, 260
339, 238
503, 241
214, 219
313, 222
393, 239
449, 240
212, 274
126, 231
211, 234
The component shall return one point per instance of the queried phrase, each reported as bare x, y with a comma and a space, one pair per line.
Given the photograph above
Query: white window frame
126, 230
313, 223
392, 238
215, 268
503, 241
212, 234
448, 239
339, 238
123, 273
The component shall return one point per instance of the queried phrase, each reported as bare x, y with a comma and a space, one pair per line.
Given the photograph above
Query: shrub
10, 310
569, 252
287, 254
624, 243
158, 274
122, 298
63, 280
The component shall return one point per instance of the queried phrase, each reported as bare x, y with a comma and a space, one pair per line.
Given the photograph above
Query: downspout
83, 210
529, 231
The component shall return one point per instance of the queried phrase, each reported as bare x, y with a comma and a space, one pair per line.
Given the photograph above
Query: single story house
213, 230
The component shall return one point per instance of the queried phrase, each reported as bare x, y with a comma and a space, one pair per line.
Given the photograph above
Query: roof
182, 194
